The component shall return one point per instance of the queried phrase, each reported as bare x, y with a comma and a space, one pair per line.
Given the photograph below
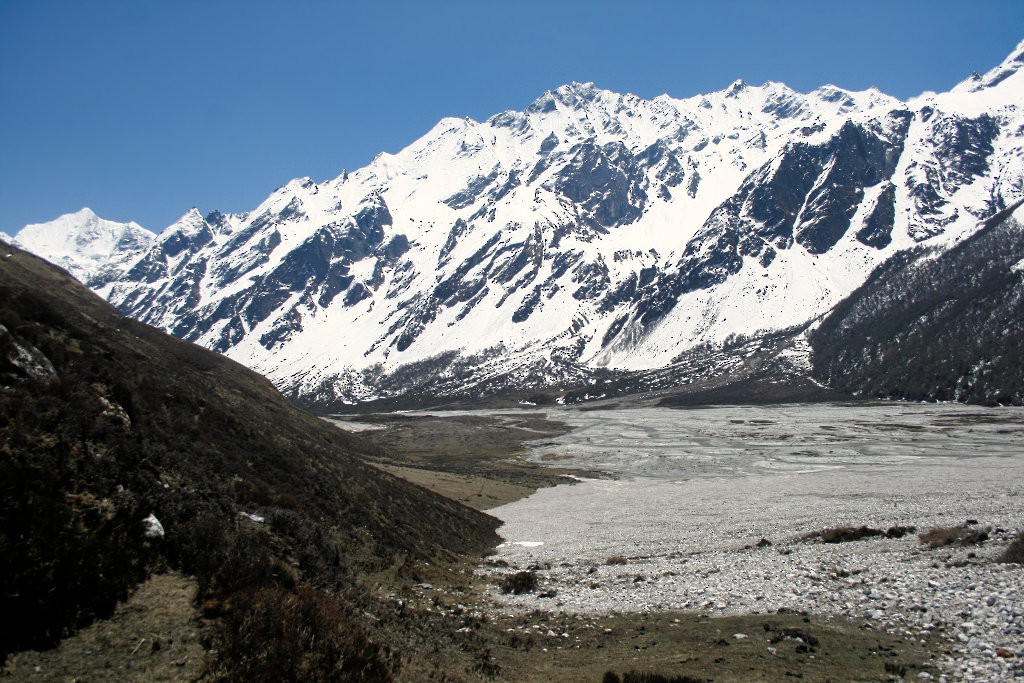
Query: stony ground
714, 511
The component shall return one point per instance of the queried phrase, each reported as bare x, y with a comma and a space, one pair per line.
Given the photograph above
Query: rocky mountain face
590, 233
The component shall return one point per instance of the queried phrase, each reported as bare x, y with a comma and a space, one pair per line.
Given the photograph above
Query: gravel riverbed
708, 510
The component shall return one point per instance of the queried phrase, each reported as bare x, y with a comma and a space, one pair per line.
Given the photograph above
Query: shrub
519, 583
273, 634
65, 559
648, 677
953, 535
844, 534
1015, 552
226, 558
795, 634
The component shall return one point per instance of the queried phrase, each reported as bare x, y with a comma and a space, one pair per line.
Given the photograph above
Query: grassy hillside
105, 421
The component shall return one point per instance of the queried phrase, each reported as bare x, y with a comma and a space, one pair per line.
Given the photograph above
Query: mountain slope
933, 326
591, 231
105, 421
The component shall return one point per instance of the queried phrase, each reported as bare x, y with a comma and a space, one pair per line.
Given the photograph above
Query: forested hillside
947, 327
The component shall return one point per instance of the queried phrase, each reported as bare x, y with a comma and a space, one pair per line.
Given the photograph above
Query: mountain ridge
590, 231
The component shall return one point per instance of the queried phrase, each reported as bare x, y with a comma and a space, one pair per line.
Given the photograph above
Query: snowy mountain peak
190, 222
1017, 56
575, 93
1009, 69
83, 215
737, 87
572, 95
83, 243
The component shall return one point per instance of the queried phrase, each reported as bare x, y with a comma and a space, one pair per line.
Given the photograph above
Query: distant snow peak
83, 243
736, 88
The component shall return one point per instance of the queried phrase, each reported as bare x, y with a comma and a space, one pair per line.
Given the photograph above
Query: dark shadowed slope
946, 327
104, 421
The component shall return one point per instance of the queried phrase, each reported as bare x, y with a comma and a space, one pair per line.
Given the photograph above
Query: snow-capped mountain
87, 246
590, 232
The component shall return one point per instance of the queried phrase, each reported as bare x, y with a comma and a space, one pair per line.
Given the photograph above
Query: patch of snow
524, 544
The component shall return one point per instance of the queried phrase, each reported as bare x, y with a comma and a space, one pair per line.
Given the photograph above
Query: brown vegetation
963, 534
845, 534
519, 583
644, 677
273, 634
1014, 553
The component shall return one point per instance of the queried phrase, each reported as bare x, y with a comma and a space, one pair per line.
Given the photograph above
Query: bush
647, 677
845, 534
519, 583
941, 537
225, 559
273, 634
1015, 552
65, 559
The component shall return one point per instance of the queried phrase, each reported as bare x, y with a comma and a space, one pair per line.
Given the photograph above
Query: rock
152, 528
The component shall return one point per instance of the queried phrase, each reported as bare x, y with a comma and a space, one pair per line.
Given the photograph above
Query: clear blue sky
141, 109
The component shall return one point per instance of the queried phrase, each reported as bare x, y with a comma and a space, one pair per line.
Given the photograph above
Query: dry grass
154, 637
1015, 551
845, 534
645, 677
963, 534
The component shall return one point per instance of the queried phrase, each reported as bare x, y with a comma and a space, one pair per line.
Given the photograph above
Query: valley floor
714, 512
688, 545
